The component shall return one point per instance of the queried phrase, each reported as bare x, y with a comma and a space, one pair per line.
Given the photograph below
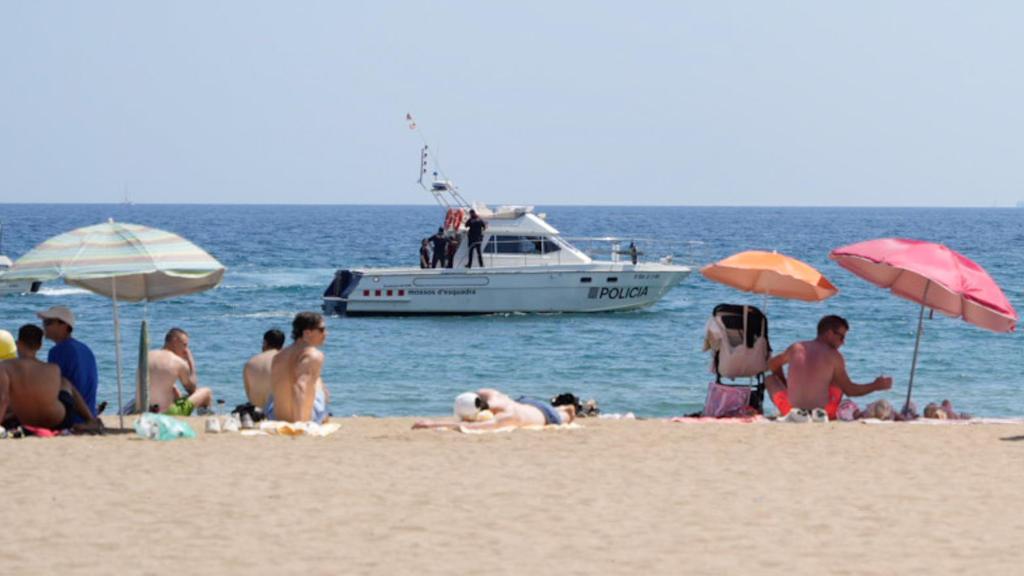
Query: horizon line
425, 204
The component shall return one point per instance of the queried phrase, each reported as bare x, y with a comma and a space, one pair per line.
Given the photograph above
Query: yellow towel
275, 428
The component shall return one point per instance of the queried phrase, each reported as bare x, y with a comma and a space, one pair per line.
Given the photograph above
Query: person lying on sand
488, 409
33, 393
171, 363
817, 375
883, 410
298, 391
944, 411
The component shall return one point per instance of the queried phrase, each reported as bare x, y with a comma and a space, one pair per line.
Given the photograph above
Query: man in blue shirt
75, 359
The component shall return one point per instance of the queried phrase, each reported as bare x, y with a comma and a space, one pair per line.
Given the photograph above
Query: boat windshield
509, 244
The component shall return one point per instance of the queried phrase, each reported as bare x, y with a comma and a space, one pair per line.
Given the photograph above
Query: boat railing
552, 249
620, 248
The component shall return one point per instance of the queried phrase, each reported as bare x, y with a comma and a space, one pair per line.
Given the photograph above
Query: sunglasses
49, 321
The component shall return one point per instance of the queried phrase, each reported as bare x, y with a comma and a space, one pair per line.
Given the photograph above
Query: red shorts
835, 396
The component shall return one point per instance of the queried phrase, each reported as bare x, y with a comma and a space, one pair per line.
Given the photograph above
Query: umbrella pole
917, 344
117, 352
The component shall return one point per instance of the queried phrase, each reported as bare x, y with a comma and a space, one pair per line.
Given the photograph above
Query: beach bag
725, 401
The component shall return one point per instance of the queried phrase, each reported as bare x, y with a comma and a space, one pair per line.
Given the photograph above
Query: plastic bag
162, 427
726, 401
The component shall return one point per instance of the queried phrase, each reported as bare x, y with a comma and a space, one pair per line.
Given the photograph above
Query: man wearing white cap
77, 362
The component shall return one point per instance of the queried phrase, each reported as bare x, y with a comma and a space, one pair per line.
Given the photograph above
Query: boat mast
443, 189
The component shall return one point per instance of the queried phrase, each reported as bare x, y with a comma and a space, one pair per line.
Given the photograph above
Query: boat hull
594, 287
18, 287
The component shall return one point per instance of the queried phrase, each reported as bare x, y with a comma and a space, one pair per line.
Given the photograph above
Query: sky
787, 103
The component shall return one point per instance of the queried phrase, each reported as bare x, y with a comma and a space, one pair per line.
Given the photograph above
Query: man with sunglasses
77, 362
817, 377
298, 391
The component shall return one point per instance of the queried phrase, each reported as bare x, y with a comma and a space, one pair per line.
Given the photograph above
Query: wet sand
641, 497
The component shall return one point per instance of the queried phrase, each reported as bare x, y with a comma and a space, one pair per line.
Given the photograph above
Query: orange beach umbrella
772, 274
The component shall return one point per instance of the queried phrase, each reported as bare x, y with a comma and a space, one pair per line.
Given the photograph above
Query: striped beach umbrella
125, 262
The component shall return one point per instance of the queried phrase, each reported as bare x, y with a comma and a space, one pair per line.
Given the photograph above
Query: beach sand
638, 497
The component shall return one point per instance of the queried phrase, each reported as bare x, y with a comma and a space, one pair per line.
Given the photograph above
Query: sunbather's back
812, 366
295, 378
33, 389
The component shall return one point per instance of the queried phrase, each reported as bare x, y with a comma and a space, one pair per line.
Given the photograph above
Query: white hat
61, 313
467, 406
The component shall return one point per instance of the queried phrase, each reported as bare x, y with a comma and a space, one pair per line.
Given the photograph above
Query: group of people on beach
807, 379
60, 394
285, 382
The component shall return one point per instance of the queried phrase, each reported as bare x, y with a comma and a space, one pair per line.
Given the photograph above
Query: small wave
65, 291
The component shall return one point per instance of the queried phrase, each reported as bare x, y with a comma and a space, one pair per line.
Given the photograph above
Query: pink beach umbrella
933, 276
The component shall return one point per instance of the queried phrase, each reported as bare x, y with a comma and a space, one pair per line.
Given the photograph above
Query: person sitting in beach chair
737, 337
174, 362
256, 373
33, 393
299, 394
489, 409
817, 377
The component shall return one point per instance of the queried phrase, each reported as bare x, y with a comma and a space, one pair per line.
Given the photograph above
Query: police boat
13, 286
528, 267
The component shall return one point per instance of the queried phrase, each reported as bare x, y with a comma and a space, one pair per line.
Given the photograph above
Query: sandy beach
641, 497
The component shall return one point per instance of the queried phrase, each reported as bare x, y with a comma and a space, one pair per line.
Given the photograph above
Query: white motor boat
17, 286
528, 267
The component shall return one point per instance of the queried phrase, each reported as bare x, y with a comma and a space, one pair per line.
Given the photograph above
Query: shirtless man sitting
172, 363
33, 393
256, 374
299, 393
817, 372
507, 413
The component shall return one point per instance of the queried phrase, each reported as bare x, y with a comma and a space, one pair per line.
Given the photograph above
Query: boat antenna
440, 185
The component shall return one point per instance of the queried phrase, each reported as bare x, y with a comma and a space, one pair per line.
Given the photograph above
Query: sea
280, 258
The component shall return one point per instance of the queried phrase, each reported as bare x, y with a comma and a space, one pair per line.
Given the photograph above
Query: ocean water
280, 259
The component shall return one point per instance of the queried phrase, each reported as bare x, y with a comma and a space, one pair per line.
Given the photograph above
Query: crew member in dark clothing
476, 227
425, 253
440, 244
453, 247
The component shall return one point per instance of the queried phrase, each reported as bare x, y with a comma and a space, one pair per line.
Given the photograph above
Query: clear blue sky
693, 103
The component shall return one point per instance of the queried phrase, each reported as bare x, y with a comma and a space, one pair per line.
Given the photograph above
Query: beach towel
41, 432
727, 420
570, 426
277, 428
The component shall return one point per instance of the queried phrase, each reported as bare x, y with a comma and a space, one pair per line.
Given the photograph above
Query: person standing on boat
440, 246
425, 253
476, 226
451, 249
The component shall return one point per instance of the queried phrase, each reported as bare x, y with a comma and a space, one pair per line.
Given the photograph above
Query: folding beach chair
737, 337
